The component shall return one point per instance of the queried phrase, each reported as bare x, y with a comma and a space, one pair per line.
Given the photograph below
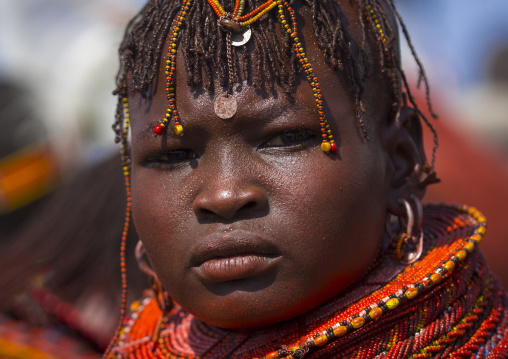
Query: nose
229, 201
228, 194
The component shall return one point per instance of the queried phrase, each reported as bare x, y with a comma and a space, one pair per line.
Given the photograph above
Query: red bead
158, 130
333, 147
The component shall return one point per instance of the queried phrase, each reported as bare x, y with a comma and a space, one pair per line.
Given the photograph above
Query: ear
405, 159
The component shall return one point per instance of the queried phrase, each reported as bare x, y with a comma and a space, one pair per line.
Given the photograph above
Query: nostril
206, 212
249, 205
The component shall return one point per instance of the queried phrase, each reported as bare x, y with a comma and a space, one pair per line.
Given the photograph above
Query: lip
234, 255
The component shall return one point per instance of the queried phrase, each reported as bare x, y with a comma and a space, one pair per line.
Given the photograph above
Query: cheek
153, 209
344, 210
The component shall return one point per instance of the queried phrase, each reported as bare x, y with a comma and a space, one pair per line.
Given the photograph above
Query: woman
272, 145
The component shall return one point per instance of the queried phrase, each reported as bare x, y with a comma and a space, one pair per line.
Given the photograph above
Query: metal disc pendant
241, 38
225, 106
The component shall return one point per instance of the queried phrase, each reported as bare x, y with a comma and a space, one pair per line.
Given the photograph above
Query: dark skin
247, 222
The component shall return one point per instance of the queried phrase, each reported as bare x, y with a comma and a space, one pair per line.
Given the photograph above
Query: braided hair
267, 59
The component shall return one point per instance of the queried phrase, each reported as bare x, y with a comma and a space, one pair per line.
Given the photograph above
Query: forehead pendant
238, 32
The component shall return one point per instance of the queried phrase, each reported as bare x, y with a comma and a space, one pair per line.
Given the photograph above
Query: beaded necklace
446, 305
225, 105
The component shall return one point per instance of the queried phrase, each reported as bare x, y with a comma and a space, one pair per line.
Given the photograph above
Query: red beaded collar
447, 303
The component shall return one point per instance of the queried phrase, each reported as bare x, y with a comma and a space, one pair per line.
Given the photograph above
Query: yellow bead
358, 322
449, 266
392, 303
476, 237
325, 146
135, 305
178, 130
436, 278
340, 331
481, 231
469, 246
321, 340
461, 255
411, 293
375, 313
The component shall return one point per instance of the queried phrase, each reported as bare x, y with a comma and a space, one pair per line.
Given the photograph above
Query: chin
245, 306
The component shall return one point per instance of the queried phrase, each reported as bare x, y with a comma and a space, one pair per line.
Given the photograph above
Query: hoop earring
414, 233
163, 300
161, 296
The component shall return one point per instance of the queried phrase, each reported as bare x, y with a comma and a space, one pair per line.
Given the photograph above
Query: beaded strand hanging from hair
170, 71
143, 44
125, 232
284, 7
235, 22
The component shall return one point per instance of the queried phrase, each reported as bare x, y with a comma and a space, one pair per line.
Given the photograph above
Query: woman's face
246, 221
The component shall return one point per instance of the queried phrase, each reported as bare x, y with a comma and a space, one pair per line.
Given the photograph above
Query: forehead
337, 84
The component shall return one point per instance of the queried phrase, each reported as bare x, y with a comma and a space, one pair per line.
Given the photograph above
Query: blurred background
58, 59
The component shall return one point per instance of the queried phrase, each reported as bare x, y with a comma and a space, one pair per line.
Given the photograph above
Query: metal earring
413, 237
163, 299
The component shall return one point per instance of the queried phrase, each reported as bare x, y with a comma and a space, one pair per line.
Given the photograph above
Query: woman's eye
290, 139
169, 159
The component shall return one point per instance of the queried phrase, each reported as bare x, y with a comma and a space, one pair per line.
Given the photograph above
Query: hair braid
267, 59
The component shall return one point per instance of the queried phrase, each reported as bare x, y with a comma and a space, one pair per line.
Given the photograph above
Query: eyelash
170, 159
293, 139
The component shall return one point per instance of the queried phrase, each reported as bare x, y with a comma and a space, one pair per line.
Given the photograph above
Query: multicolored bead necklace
447, 305
225, 105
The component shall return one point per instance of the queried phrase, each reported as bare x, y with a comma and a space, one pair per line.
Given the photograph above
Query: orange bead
481, 230
375, 313
469, 246
436, 278
476, 237
411, 293
461, 255
340, 331
449, 266
272, 355
358, 322
135, 305
320, 340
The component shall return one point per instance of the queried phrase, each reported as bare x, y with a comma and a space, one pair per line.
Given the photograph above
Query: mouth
235, 255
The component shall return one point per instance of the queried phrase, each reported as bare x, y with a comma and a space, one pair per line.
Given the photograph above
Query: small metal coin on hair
241, 38
225, 106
